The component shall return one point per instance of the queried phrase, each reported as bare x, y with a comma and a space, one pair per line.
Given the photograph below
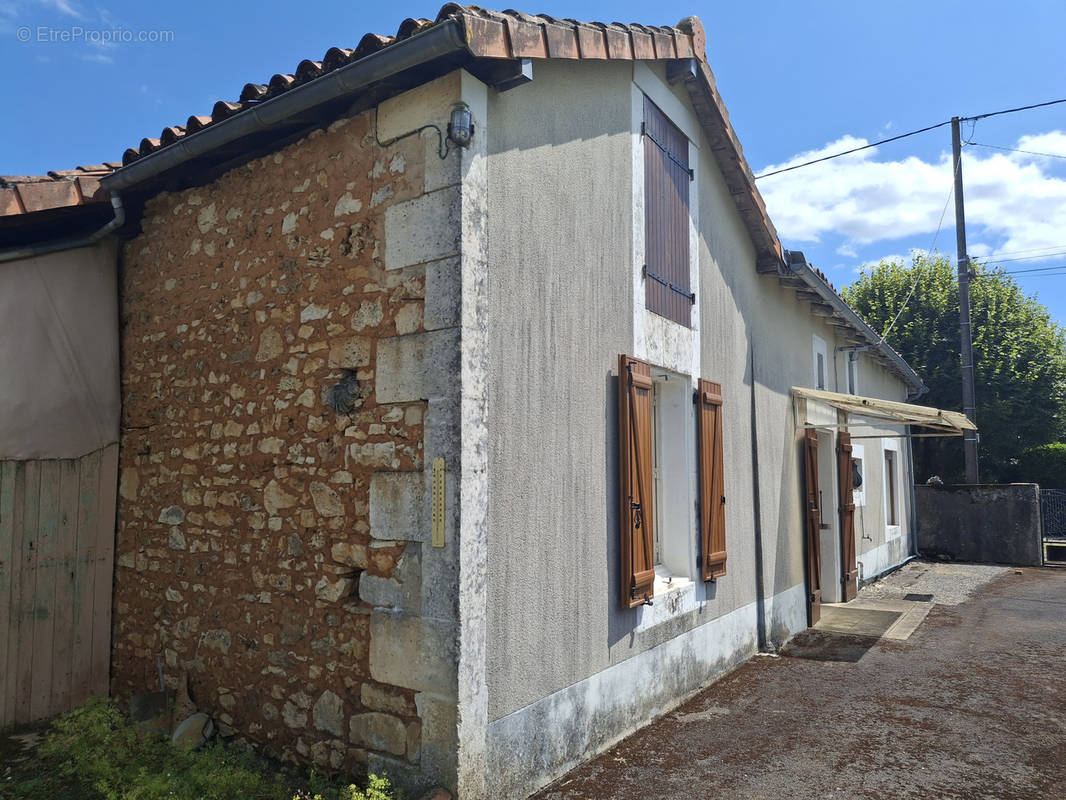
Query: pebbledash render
473, 414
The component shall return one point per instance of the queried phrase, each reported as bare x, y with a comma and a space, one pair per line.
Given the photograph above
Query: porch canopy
936, 420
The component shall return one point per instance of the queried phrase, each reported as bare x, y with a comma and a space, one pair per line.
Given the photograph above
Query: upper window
853, 373
821, 363
667, 285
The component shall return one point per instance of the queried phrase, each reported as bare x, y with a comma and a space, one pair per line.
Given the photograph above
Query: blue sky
801, 79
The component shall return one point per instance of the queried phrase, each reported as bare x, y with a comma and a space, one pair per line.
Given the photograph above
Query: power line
997, 256
932, 248
1012, 110
910, 133
1016, 150
1020, 258
1028, 271
853, 150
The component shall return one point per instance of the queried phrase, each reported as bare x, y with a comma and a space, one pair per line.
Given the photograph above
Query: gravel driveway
967, 703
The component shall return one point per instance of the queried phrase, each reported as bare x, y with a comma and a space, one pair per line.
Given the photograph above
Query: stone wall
984, 523
278, 406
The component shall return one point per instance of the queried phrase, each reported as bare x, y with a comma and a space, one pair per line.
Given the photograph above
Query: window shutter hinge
666, 151
647, 273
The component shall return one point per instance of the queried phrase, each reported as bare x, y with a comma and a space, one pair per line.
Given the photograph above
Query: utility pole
969, 406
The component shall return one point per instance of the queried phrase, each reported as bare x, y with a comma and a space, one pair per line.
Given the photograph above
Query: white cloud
893, 257
1013, 200
97, 58
63, 7
847, 250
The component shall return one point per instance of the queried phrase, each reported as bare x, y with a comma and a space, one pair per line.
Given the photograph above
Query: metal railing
1053, 513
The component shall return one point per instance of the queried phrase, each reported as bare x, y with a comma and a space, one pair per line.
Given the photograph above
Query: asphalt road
972, 705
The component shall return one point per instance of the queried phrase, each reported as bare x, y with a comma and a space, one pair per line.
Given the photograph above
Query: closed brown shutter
814, 527
666, 217
846, 485
635, 462
712, 481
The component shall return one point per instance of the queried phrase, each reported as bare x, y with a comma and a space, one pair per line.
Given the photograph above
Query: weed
93, 753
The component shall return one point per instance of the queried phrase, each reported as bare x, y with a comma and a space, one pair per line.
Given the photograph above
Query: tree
1019, 357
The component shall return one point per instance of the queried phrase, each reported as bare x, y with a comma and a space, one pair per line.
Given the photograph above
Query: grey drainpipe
30, 251
443, 39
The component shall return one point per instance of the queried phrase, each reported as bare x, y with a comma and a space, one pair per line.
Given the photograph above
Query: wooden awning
945, 423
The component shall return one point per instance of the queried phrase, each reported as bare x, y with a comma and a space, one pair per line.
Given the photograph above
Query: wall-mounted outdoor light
460, 126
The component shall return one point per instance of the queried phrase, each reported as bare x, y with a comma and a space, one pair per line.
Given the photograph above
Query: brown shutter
666, 217
814, 525
635, 462
846, 485
712, 481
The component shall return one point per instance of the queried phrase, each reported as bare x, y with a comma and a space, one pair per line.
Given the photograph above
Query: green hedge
1044, 464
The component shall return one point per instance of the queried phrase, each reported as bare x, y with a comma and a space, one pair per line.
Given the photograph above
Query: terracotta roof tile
513, 34
489, 34
25, 194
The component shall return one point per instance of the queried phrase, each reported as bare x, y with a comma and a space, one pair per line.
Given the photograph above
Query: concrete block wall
290, 369
997, 524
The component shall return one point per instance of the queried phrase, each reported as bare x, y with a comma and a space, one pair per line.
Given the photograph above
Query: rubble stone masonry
272, 509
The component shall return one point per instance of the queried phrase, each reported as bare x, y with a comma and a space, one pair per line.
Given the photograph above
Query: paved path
970, 705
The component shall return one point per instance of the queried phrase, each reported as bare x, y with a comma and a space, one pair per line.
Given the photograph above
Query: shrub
1044, 464
96, 748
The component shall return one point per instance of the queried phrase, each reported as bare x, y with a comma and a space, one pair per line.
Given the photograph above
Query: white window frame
820, 349
858, 452
674, 479
891, 446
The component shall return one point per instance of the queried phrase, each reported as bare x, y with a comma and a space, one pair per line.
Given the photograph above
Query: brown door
814, 526
846, 483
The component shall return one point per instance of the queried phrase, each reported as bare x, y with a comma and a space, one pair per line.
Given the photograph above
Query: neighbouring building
473, 413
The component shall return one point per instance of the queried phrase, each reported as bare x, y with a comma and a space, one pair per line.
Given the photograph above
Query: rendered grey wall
986, 523
561, 311
559, 300
59, 397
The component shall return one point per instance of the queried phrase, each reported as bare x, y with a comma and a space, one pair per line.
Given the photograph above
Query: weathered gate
1053, 523
57, 523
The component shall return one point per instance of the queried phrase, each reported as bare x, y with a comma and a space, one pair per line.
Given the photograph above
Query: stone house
440, 358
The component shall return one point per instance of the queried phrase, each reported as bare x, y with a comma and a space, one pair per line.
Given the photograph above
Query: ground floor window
671, 465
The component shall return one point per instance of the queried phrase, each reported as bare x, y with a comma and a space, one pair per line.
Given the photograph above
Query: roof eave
797, 265
439, 41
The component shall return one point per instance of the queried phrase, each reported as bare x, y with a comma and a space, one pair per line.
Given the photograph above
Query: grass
93, 753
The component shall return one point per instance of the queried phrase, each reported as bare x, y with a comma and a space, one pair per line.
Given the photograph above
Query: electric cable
932, 247
910, 133
1016, 150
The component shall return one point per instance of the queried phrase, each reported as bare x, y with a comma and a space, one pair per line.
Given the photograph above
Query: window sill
666, 583
671, 600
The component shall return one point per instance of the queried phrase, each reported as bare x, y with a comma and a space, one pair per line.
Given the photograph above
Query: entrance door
846, 484
814, 525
